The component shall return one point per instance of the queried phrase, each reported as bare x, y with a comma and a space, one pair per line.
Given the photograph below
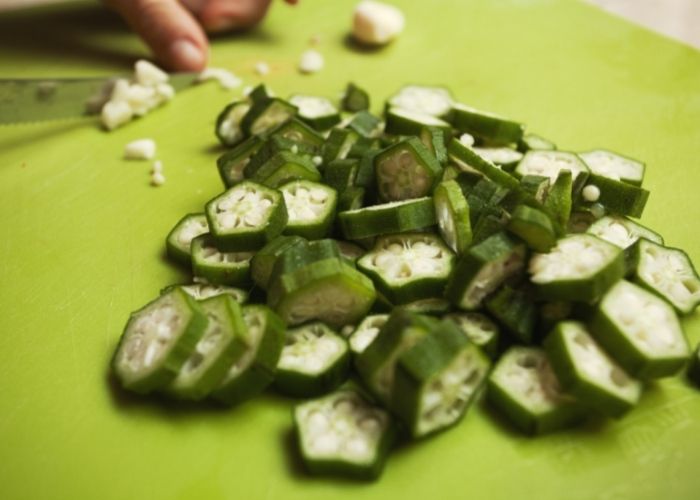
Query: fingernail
186, 55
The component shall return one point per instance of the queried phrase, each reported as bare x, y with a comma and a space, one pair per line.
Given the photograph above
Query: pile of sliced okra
386, 269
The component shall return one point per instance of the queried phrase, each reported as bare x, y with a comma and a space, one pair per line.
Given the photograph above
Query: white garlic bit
140, 149
377, 23
226, 79
311, 61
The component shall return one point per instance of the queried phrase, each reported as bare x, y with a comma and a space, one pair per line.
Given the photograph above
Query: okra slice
284, 167
515, 311
250, 374
479, 329
551, 163
328, 290
338, 144
452, 212
667, 272
614, 166
246, 216
352, 198
263, 261
271, 147
579, 268
536, 142
367, 125
524, 388
622, 232
314, 361
365, 333
432, 101
587, 372
354, 99
180, 237
694, 367
641, 331
536, 186
405, 170
261, 93
340, 174
506, 158
310, 208
350, 251
483, 268
534, 227
614, 196
318, 112
469, 160
203, 291
434, 138
403, 122
305, 138
217, 267
387, 218
436, 379
231, 164
224, 341
343, 434
157, 340
266, 114
559, 201
435, 306
489, 127
295, 257
228, 123
408, 267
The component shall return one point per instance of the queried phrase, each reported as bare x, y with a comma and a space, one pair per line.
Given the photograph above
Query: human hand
175, 30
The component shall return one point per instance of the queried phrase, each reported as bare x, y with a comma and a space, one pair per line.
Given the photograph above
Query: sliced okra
310, 208
622, 232
482, 269
552, 312
224, 341
515, 311
387, 218
408, 267
535, 142
284, 167
436, 379
452, 212
364, 145
228, 123
366, 124
319, 112
536, 186
693, 372
580, 221
340, 174
314, 361
524, 388
365, 333
614, 196
551, 163
588, 373
342, 434
641, 331
263, 261
354, 99
218, 267
328, 290
488, 225
350, 251
434, 138
579, 268
432, 101
559, 200
261, 93
299, 132
338, 144
294, 257
468, 160
352, 198
266, 114
432, 305
405, 170
365, 176
534, 227
403, 122
251, 373
506, 158
667, 272
271, 147
180, 237
157, 340
203, 291
246, 216
489, 127
232, 163
614, 166
479, 329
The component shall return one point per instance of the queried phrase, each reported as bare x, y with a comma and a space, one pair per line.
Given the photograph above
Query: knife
40, 99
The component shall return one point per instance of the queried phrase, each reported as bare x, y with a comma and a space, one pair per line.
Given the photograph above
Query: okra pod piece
551, 163
408, 267
535, 142
228, 123
217, 267
524, 388
180, 237
694, 367
314, 361
426, 100
641, 331
232, 163
667, 272
342, 434
614, 166
537, 186
353, 198
403, 122
263, 262
505, 158
479, 329
350, 251
310, 208
435, 306
469, 160
307, 139
489, 127
250, 374
203, 291
224, 341
355, 99
452, 212
534, 227
405, 170
261, 93
622, 232
436, 380
434, 138
270, 148
284, 167
365, 333
587, 372
318, 112
387, 218
365, 124
338, 144
616, 197
579, 268
559, 201
266, 114
515, 311
340, 174
482, 269
157, 340
246, 216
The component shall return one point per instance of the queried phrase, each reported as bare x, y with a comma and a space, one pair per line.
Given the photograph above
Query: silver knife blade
40, 99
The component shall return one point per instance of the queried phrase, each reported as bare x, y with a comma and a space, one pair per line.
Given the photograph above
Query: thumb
169, 29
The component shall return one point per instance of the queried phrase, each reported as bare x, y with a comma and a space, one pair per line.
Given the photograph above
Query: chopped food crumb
591, 193
311, 61
226, 79
376, 23
140, 149
262, 68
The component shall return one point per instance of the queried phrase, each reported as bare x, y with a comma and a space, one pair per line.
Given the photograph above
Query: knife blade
41, 99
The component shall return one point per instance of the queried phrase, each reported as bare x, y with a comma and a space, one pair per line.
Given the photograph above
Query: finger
225, 15
170, 31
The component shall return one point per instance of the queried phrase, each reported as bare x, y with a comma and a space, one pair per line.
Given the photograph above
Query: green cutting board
82, 245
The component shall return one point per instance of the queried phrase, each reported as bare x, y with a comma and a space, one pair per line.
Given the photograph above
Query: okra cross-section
224, 341
246, 216
436, 379
488, 126
551, 163
479, 330
318, 112
408, 267
314, 361
310, 208
263, 262
405, 170
365, 333
202, 291
342, 434
217, 267
157, 341
432, 101
621, 231
266, 114
614, 166
523, 387
387, 218
228, 123
579, 268
452, 213
641, 331
587, 372
180, 237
